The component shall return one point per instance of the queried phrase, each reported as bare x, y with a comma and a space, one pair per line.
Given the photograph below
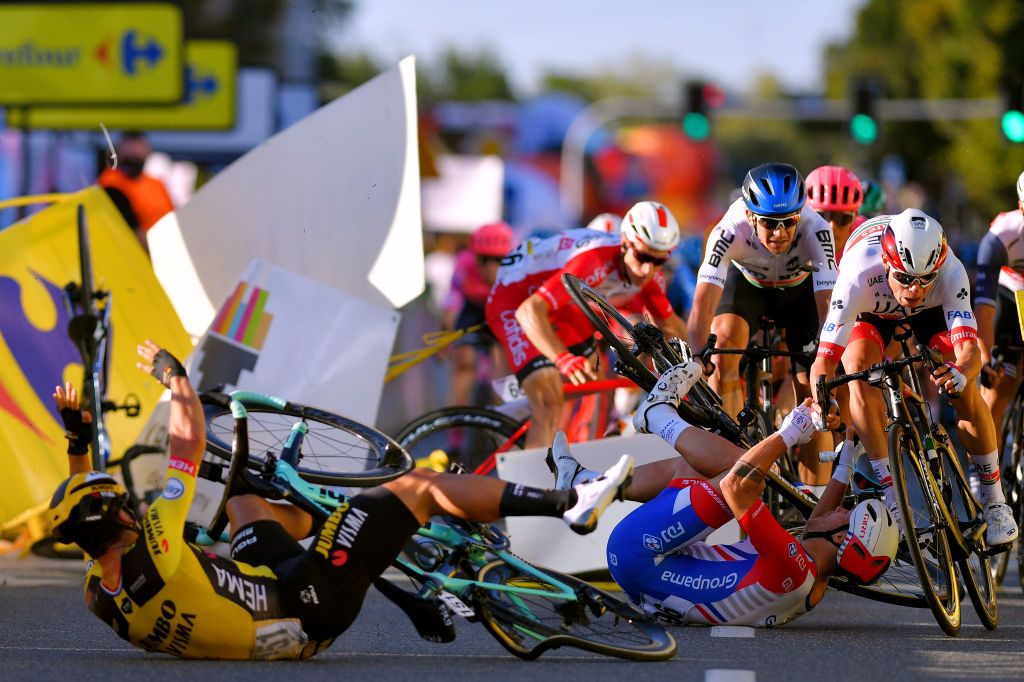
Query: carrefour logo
136, 53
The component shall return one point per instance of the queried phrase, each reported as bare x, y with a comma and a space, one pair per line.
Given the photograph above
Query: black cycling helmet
774, 189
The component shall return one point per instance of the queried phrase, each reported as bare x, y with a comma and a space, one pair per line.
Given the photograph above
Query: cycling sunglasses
484, 260
840, 218
772, 224
648, 258
908, 280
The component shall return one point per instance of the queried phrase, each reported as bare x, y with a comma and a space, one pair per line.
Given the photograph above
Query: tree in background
937, 50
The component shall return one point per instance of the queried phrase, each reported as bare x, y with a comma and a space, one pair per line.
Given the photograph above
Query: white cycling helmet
870, 544
652, 224
914, 243
605, 222
1020, 187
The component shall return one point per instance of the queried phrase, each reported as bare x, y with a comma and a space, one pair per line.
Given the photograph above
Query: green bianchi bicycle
458, 567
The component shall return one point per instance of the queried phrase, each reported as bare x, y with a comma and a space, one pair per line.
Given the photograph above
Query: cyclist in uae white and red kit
1000, 276
658, 553
546, 338
898, 269
758, 261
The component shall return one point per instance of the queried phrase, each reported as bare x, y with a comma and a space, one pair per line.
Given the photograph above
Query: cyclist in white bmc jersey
1000, 275
899, 269
771, 237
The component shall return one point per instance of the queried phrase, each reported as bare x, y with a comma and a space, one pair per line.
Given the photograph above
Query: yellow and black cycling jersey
174, 597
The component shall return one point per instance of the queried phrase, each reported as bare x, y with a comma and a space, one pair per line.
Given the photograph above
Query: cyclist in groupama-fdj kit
546, 338
898, 269
273, 598
658, 556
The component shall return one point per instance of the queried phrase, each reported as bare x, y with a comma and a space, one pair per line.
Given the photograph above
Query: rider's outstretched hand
798, 427
77, 424
158, 362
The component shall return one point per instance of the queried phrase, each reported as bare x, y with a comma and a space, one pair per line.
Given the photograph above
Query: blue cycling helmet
774, 189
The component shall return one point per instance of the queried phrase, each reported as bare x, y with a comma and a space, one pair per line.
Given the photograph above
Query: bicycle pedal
998, 549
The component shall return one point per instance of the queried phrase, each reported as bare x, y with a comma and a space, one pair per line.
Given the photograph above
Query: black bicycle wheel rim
337, 450
975, 569
528, 625
467, 435
612, 326
926, 539
1013, 487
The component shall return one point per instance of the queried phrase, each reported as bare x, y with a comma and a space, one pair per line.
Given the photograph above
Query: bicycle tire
528, 624
467, 435
922, 528
975, 569
1013, 487
336, 451
614, 328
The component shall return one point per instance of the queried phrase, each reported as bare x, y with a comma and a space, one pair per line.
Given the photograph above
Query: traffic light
1013, 116
864, 122
698, 100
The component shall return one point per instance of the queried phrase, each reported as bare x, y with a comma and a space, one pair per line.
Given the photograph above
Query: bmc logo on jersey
652, 543
965, 314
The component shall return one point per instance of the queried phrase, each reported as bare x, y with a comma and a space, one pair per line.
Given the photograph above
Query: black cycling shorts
793, 309
324, 586
471, 315
926, 325
1007, 325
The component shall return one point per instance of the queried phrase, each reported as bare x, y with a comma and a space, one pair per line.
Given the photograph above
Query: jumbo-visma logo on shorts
132, 53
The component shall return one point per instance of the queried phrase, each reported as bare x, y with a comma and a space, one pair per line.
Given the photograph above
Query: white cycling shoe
1002, 529
671, 388
567, 470
593, 497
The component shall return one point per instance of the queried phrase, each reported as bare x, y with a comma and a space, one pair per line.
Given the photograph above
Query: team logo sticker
174, 489
652, 542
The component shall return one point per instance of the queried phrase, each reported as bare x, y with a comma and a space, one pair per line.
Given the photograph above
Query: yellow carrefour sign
90, 54
209, 102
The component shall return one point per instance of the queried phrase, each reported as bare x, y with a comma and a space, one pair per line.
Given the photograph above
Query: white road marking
727, 675
731, 631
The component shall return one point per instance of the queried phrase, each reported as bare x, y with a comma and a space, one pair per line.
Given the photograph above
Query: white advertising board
335, 197
466, 194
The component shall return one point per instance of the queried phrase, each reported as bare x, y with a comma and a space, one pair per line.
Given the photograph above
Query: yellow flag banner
38, 257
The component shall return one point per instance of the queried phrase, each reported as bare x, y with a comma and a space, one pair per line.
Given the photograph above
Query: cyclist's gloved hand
158, 362
77, 430
798, 426
575, 368
822, 421
950, 379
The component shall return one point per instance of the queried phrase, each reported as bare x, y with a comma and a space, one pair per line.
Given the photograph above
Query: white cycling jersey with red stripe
536, 266
733, 241
863, 288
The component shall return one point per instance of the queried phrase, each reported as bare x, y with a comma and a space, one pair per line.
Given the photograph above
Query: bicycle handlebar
874, 374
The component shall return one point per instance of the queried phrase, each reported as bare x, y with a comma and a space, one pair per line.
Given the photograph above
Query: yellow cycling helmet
85, 510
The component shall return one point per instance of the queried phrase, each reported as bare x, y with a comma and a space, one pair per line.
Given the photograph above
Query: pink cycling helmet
493, 239
833, 188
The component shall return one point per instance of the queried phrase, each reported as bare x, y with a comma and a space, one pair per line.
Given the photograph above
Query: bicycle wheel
335, 451
614, 328
975, 569
923, 527
467, 435
529, 624
1013, 487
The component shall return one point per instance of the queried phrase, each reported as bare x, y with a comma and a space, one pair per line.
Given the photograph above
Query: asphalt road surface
46, 633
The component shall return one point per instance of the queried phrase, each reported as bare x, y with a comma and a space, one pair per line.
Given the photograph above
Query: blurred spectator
141, 199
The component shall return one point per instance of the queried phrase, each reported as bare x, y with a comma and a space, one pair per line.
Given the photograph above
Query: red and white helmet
870, 543
833, 188
914, 243
652, 224
606, 222
1020, 187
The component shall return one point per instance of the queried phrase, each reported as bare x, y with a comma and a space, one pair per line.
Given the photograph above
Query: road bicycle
89, 309
459, 567
642, 353
942, 522
474, 436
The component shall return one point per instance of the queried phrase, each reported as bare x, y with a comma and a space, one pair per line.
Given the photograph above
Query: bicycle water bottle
929, 446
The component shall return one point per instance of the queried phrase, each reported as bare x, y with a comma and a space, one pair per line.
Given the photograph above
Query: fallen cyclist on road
273, 599
658, 556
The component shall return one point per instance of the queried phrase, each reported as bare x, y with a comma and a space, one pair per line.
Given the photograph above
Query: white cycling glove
957, 377
798, 426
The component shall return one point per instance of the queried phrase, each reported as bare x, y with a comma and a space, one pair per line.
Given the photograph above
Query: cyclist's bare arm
821, 300
743, 485
985, 316
186, 428
67, 398
673, 326
706, 297
532, 315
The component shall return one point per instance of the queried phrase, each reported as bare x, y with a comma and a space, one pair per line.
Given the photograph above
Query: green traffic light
863, 128
696, 126
1013, 126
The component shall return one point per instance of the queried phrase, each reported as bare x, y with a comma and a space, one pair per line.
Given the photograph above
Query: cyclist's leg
735, 320
243, 510
1006, 326
463, 374
867, 407
543, 389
